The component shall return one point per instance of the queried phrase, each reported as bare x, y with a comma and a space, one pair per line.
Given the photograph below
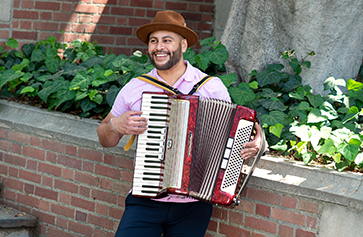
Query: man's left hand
251, 148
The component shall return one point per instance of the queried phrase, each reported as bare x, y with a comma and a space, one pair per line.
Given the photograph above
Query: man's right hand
130, 123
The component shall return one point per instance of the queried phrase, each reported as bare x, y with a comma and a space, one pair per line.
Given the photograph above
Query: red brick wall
112, 23
80, 191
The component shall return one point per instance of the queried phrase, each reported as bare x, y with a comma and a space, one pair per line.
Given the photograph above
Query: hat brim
143, 32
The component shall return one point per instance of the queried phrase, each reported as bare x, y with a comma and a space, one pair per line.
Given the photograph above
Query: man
168, 38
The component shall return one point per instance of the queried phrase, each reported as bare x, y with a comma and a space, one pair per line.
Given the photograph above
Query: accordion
192, 147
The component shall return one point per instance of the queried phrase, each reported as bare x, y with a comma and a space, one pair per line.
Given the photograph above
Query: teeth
161, 55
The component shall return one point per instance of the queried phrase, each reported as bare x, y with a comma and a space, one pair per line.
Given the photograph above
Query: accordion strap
258, 156
156, 82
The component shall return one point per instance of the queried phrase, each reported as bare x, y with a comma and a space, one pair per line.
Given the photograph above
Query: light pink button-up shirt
129, 99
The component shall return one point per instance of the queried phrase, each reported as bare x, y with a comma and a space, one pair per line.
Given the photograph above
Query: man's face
165, 49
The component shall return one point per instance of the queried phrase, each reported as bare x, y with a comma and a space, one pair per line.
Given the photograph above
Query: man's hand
251, 148
130, 123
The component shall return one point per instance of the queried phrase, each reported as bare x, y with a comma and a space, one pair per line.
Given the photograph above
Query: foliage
300, 123
297, 122
211, 57
79, 77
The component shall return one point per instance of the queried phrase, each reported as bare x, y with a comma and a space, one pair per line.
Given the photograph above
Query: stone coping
12, 218
275, 173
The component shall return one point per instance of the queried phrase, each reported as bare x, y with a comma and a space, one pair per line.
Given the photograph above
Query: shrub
300, 123
297, 122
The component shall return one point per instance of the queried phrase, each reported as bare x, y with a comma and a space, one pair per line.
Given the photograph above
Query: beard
175, 57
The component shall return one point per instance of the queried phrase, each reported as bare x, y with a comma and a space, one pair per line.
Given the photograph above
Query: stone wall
112, 23
52, 167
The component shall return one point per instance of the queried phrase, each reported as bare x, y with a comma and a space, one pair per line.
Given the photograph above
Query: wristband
113, 128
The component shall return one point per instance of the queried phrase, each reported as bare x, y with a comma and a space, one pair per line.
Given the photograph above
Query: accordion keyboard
151, 145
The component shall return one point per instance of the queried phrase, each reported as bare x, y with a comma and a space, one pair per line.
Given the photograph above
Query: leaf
303, 106
296, 66
302, 131
354, 85
219, 55
271, 104
280, 146
352, 113
228, 79
299, 94
315, 100
52, 87
111, 94
120, 60
301, 146
64, 95
341, 166
27, 89
87, 105
337, 157
287, 54
240, 96
275, 67
189, 55
308, 157
202, 61
253, 85
7, 76
350, 150
98, 98
81, 95
327, 110
108, 72
328, 147
37, 56
266, 78
208, 40
307, 64
276, 129
92, 94
12, 43
274, 117
315, 116
80, 81
52, 64
359, 160
330, 83
268, 93
293, 82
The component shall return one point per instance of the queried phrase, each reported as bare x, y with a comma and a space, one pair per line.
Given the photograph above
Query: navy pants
147, 218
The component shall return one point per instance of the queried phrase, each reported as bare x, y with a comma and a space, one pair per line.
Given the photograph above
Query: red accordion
192, 147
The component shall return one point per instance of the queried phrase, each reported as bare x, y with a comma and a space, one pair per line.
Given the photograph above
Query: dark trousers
147, 218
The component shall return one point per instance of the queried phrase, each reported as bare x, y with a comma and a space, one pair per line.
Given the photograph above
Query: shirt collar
187, 76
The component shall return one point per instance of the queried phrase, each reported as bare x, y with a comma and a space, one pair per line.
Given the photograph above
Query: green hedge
297, 122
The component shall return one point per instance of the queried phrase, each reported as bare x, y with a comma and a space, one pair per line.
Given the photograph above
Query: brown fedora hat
170, 21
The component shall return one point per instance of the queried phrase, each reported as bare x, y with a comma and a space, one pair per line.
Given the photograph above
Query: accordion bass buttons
169, 144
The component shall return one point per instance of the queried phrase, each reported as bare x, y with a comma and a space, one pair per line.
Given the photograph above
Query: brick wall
80, 191
112, 23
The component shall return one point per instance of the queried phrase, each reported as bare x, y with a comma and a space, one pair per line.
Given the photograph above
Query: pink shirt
129, 99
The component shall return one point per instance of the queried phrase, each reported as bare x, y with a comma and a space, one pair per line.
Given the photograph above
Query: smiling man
167, 37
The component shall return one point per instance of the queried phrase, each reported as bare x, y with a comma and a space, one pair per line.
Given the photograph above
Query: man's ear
184, 45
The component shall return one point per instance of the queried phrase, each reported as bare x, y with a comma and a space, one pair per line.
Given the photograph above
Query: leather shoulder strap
199, 84
160, 84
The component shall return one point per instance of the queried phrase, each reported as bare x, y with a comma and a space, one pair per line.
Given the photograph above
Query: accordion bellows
191, 147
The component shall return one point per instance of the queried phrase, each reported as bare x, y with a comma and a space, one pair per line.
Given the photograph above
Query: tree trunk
257, 32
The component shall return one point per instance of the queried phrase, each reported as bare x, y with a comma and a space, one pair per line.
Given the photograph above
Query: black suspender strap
156, 82
199, 84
